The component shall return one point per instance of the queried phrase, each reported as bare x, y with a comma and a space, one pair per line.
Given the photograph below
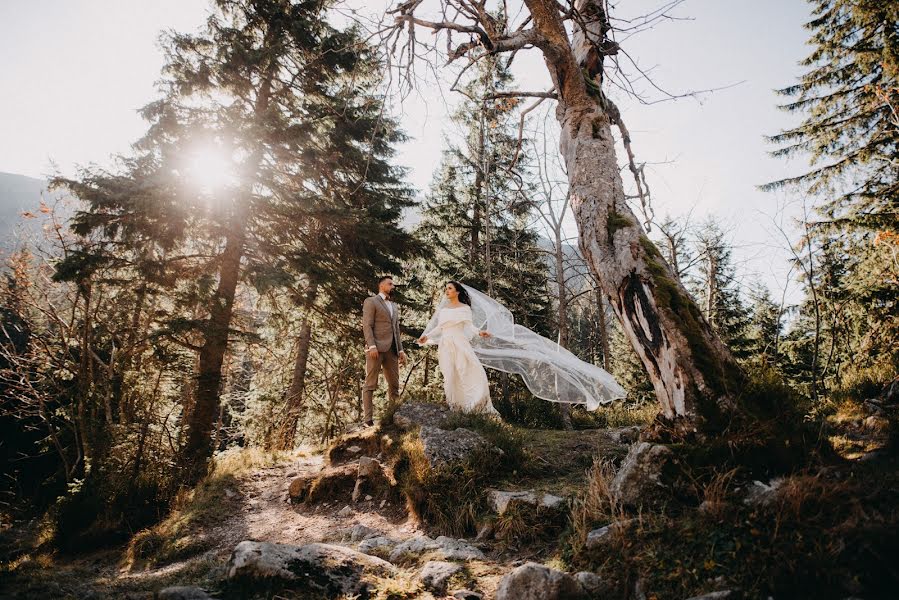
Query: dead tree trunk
694, 375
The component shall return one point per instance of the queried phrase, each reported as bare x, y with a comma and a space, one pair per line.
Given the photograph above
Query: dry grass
596, 506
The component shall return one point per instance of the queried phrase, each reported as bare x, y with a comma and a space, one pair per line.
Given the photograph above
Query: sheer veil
550, 371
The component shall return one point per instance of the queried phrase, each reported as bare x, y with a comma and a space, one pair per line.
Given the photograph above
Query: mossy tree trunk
694, 375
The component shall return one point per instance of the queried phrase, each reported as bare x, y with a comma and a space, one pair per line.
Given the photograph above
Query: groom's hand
402, 358
372, 352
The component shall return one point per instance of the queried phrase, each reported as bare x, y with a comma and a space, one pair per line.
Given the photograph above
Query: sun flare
211, 168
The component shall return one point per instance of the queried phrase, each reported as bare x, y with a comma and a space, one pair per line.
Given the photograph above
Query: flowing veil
550, 371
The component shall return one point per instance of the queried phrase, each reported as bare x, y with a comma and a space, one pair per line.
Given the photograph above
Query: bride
473, 331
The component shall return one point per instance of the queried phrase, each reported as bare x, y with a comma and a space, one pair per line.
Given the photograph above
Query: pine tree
849, 101
714, 286
286, 100
478, 214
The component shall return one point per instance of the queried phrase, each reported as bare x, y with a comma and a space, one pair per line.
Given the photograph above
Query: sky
75, 72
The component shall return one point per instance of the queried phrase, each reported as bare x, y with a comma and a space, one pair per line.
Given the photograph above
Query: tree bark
294, 400
694, 375
198, 448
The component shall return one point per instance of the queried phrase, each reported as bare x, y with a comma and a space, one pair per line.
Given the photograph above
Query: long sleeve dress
464, 377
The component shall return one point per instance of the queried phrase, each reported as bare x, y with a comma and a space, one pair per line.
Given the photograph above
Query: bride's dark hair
464, 298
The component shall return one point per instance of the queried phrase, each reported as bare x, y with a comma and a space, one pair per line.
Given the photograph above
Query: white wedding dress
464, 377
550, 371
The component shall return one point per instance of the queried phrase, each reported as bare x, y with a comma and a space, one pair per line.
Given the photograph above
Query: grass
824, 535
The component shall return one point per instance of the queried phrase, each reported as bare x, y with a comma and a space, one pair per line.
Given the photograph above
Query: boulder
592, 584
369, 467
435, 575
327, 568
183, 592
761, 494
378, 546
413, 415
599, 538
500, 500
446, 548
639, 480
533, 581
442, 447
625, 435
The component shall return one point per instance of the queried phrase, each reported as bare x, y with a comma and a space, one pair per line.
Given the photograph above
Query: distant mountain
20, 196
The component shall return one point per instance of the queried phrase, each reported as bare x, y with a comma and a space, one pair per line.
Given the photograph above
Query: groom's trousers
389, 361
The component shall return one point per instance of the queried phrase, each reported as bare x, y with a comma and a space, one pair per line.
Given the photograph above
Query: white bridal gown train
549, 371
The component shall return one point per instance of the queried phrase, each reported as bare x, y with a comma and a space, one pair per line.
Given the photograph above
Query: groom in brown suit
383, 346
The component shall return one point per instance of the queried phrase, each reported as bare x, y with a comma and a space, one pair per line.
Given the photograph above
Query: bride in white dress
473, 331
464, 377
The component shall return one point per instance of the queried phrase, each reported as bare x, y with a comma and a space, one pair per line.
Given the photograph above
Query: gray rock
501, 500
322, 567
412, 415
360, 532
714, 595
346, 511
453, 549
377, 545
591, 583
533, 581
435, 575
443, 447
638, 481
601, 537
183, 592
625, 435
466, 595
369, 467
413, 546
761, 494
446, 547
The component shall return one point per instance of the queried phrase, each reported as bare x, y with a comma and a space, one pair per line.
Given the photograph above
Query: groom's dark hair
383, 277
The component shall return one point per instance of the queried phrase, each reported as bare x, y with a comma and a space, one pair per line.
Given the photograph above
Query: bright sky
76, 71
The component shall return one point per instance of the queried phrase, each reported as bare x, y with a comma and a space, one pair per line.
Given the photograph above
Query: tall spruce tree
849, 101
286, 101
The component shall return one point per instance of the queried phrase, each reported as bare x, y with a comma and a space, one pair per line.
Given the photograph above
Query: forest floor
248, 500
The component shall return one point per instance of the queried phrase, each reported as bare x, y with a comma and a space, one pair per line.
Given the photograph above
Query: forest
178, 327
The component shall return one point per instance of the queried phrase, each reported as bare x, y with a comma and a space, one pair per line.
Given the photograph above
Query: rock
412, 415
446, 547
369, 467
625, 435
298, 489
553, 502
443, 447
229, 493
359, 532
533, 581
378, 546
435, 575
591, 584
354, 449
453, 549
414, 546
466, 595
601, 537
638, 481
761, 494
327, 568
368, 498
183, 592
346, 511
500, 500
714, 595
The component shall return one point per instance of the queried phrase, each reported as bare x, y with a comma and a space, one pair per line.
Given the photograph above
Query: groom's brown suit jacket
378, 327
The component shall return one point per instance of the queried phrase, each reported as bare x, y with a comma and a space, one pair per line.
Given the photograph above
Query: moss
616, 221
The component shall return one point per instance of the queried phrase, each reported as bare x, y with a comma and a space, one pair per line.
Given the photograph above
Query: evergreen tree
285, 101
714, 286
478, 214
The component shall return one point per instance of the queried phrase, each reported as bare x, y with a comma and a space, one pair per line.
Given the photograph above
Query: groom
383, 346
